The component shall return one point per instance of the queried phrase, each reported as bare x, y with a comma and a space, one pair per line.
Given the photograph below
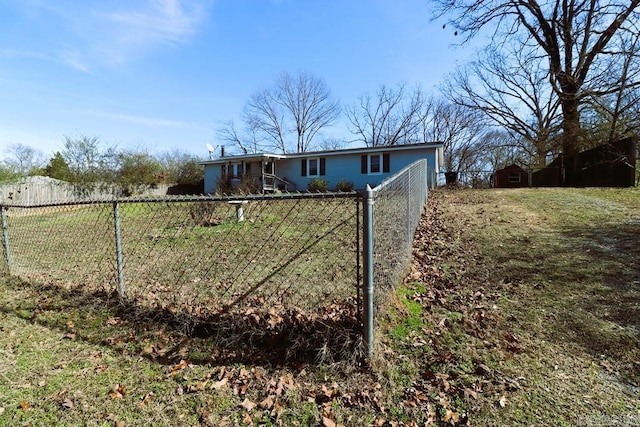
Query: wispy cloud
140, 120
69, 57
111, 32
149, 24
159, 21
73, 59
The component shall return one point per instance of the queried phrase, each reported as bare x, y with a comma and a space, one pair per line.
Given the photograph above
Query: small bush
205, 214
248, 185
224, 185
344, 186
318, 185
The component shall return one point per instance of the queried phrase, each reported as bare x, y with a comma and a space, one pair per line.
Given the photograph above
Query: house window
235, 170
313, 167
374, 164
513, 178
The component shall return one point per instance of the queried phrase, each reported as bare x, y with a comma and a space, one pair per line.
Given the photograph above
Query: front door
269, 167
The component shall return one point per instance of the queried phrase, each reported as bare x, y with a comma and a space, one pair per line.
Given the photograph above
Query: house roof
324, 153
512, 166
245, 157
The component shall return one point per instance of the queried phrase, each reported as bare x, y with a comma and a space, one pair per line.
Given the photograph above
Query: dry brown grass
521, 309
532, 304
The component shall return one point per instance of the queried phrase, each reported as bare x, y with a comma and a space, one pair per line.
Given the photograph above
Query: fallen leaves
451, 417
117, 391
67, 403
503, 401
248, 405
219, 384
177, 368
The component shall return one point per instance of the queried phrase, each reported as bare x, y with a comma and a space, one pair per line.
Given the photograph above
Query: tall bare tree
461, 130
24, 160
617, 115
285, 117
247, 141
574, 36
88, 161
512, 89
390, 117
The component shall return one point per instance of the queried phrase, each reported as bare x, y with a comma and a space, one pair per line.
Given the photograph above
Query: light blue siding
211, 175
338, 166
347, 167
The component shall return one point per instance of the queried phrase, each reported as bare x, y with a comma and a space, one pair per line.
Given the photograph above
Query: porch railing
270, 183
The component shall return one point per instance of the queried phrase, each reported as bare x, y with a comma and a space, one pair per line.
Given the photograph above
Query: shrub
344, 185
248, 185
318, 185
205, 214
224, 185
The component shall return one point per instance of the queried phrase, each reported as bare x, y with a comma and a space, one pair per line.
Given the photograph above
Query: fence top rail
200, 198
388, 181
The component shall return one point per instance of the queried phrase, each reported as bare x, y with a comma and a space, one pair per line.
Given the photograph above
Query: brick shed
512, 176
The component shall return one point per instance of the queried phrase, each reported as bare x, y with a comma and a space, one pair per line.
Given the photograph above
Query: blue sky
164, 74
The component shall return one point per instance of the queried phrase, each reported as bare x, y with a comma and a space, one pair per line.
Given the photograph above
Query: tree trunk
570, 126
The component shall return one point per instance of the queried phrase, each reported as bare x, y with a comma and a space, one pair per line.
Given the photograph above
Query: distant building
512, 176
608, 165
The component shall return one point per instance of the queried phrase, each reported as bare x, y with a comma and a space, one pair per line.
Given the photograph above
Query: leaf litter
455, 367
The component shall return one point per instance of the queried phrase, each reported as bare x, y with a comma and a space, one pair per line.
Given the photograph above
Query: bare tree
390, 117
285, 117
462, 132
247, 141
617, 115
180, 167
512, 90
88, 162
575, 38
24, 159
503, 150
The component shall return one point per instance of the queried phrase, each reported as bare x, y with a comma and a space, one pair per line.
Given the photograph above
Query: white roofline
326, 153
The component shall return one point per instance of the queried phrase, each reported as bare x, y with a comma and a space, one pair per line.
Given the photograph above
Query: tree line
557, 76
84, 160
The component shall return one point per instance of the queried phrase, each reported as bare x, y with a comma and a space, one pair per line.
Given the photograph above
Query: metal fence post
5, 233
368, 269
358, 260
116, 220
409, 211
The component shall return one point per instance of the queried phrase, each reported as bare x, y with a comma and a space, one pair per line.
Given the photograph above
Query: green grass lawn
521, 308
185, 254
527, 307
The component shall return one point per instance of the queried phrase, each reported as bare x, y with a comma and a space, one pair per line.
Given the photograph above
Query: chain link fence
198, 257
391, 213
398, 204
193, 254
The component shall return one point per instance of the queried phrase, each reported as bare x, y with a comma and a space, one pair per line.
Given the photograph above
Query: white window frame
317, 174
380, 167
514, 178
236, 170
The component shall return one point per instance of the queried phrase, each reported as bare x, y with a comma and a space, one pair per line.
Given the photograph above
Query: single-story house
512, 176
294, 172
